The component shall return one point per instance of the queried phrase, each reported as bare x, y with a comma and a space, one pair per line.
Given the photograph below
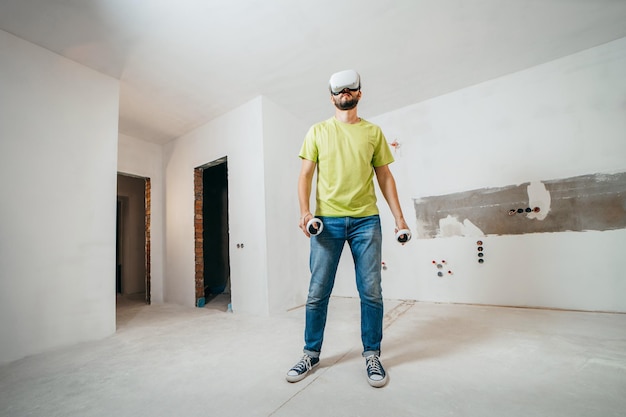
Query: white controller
310, 226
403, 235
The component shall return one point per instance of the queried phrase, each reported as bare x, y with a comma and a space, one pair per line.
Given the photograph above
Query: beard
348, 104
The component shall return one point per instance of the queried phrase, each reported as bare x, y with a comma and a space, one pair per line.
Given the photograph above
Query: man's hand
303, 221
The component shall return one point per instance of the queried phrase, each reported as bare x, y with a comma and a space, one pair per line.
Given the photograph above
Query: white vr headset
339, 81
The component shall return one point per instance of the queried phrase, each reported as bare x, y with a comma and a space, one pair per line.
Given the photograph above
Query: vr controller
403, 235
339, 81
315, 226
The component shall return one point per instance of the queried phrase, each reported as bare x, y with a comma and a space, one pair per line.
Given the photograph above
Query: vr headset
339, 81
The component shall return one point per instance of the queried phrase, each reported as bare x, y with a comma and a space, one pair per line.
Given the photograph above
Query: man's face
346, 100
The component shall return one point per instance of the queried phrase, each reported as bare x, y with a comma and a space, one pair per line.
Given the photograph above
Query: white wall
261, 141
58, 152
237, 135
287, 246
557, 120
145, 159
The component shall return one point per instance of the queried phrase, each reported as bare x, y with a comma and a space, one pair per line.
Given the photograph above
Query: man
346, 151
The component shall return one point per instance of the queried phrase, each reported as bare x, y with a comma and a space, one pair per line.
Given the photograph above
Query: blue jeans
365, 240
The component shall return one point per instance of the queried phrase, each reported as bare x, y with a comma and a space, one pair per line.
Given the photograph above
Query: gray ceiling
182, 63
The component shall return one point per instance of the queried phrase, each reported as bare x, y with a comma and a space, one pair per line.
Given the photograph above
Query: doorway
133, 240
212, 236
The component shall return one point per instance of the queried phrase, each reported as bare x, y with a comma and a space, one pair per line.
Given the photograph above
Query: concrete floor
443, 360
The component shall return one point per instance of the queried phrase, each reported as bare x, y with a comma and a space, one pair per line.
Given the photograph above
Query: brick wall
148, 205
198, 232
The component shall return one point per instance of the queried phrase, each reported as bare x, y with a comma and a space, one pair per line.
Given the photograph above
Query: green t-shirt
346, 155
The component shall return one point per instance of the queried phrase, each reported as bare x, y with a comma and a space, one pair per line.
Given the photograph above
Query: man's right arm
304, 193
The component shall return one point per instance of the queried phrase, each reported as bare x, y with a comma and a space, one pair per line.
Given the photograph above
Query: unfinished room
196, 193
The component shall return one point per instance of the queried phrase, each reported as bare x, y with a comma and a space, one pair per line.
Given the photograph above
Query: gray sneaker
302, 368
376, 375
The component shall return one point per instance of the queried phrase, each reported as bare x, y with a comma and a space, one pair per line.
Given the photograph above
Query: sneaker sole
378, 384
297, 378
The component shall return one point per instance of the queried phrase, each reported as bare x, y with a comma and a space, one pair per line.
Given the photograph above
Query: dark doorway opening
132, 277
212, 237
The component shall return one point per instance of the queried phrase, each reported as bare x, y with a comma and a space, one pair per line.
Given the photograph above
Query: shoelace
373, 365
303, 365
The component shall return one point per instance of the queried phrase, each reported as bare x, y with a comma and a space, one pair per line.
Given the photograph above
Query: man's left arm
388, 187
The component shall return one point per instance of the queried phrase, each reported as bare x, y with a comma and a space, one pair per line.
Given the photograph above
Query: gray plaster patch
587, 202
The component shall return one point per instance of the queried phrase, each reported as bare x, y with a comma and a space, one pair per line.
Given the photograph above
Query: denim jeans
365, 240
